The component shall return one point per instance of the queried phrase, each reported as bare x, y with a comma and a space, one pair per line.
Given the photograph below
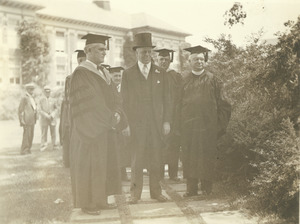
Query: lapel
156, 77
91, 68
136, 79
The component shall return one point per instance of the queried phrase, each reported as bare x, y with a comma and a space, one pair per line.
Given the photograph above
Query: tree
235, 15
128, 53
35, 50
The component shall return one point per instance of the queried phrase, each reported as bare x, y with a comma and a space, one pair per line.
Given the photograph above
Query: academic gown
204, 115
95, 170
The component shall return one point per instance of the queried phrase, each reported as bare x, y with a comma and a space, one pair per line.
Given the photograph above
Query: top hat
142, 40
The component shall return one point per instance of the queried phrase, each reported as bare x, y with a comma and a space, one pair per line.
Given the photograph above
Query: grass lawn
30, 185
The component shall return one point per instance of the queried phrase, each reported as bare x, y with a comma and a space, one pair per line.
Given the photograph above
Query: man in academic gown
95, 170
171, 152
146, 101
205, 114
65, 125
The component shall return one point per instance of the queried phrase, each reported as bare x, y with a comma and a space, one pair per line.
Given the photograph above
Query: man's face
80, 60
197, 62
117, 77
97, 53
143, 54
164, 62
30, 91
47, 94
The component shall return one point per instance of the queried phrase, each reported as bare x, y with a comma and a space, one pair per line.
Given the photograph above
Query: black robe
95, 170
204, 116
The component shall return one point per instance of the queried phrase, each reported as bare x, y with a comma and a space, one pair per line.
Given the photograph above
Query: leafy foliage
235, 15
35, 49
260, 151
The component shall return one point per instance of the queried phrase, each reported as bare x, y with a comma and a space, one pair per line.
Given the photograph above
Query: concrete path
178, 210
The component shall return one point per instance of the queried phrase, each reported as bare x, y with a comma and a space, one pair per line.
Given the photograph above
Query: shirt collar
95, 66
198, 73
141, 65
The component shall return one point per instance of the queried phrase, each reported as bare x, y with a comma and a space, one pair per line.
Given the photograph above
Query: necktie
100, 69
145, 71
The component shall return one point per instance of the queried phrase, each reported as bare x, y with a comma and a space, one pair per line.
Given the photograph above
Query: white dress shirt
144, 68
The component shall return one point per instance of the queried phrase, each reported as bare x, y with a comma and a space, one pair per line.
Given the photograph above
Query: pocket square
157, 71
158, 82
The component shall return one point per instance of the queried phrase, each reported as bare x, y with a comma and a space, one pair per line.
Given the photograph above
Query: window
60, 43
118, 50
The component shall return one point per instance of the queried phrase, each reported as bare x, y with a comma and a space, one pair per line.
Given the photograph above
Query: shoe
91, 211
188, 194
161, 198
133, 200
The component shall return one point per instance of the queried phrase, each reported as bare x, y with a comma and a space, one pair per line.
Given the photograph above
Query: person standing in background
65, 123
27, 116
172, 150
116, 77
48, 118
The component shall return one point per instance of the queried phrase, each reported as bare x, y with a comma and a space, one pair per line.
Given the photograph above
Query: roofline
178, 33
80, 22
23, 5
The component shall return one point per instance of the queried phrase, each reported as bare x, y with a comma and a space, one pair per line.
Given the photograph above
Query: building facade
65, 22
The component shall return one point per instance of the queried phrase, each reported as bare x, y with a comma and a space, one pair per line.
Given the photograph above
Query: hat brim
135, 47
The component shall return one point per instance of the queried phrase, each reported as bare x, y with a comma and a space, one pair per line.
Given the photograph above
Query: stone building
66, 21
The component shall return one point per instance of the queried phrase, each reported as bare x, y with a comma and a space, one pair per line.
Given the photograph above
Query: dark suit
147, 106
27, 118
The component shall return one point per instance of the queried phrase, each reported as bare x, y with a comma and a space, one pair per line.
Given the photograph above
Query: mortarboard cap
80, 53
115, 69
96, 38
166, 52
198, 50
105, 66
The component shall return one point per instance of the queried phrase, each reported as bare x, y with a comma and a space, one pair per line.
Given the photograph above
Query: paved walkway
178, 210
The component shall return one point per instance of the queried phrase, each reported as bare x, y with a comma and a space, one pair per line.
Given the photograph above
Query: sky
204, 18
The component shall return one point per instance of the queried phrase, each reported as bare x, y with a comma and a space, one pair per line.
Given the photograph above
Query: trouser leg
44, 132
25, 140
192, 185
53, 135
154, 178
136, 177
206, 186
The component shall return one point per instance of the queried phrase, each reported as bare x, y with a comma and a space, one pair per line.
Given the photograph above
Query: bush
275, 188
9, 102
260, 151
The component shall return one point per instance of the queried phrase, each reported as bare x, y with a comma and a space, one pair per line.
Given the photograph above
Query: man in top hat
204, 117
95, 115
27, 116
146, 101
48, 112
65, 124
164, 59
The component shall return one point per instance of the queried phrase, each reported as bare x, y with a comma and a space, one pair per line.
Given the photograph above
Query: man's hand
117, 117
126, 131
166, 128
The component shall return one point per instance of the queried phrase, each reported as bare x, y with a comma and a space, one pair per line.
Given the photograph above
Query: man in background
171, 152
48, 118
116, 76
27, 116
65, 123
